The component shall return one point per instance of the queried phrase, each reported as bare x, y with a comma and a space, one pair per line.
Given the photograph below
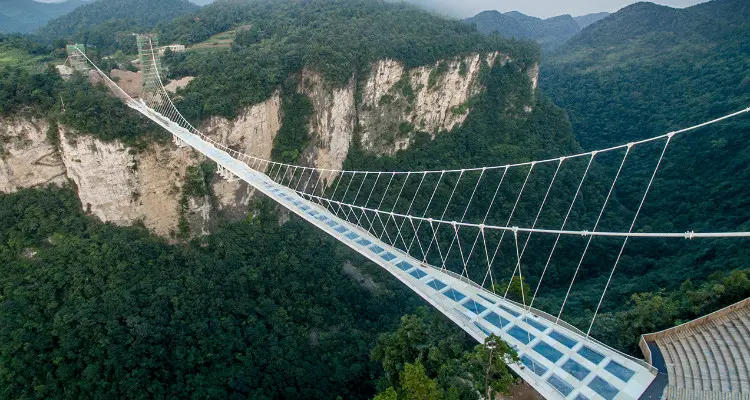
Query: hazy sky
537, 8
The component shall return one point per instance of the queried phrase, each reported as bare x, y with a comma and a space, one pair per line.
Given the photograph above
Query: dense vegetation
644, 71
426, 358
336, 38
24, 16
110, 23
109, 312
21, 52
93, 310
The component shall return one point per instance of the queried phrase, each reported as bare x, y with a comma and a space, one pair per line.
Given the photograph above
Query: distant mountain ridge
125, 13
25, 16
549, 33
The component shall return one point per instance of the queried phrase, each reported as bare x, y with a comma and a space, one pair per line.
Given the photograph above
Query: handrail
698, 321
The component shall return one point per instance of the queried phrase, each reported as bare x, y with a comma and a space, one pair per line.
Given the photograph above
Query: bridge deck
557, 359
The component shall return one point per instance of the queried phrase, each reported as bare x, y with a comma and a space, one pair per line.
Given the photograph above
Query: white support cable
182, 122
463, 217
632, 225
565, 221
445, 210
596, 225
357, 195
385, 194
520, 279
346, 191
661, 235
424, 213
369, 197
395, 204
484, 220
411, 204
536, 219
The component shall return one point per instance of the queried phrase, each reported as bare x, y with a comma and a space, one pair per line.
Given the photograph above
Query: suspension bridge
460, 238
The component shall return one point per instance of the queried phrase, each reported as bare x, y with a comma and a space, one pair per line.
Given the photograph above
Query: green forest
264, 310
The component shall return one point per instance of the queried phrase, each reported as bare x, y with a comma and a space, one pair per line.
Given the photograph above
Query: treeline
77, 103
110, 24
256, 311
646, 71
339, 39
429, 358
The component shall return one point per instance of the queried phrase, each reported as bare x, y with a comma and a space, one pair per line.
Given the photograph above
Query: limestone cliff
396, 102
120, 185
252, 132
27, 158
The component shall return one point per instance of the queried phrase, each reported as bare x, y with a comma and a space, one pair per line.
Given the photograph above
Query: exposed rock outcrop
27, 159
123, 186
396, 103
332, 123
253, 132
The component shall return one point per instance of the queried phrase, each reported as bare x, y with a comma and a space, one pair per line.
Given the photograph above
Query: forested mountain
648, 70
585, 20
266, 308
334, 38
549, 33
105, 17
25, 16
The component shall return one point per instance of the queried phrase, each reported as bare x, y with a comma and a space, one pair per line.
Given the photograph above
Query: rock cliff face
396, 103
121, 186
27, 159
252, 132
118, 184
332, 123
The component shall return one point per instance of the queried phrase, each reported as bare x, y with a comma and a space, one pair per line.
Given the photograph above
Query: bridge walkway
557, 359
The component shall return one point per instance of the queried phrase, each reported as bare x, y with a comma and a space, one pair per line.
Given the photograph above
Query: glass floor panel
341, 229
364, 242
404, 266
388, 257
483, 329
509, 311
436, 284
332, 223
559, 384
322, 217
576, 370
418, 273
548, 351
581, 397
564, 340
539, 326
537, 368
352, 235
377, 249
619, 371
603, 388
474, 307
591, 355
454, 295
496, 320
521, 335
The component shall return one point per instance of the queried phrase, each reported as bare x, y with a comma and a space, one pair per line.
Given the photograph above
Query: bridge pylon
226, 174
77, 58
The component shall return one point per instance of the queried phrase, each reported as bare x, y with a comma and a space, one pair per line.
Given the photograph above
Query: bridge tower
77, 58
149, 57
